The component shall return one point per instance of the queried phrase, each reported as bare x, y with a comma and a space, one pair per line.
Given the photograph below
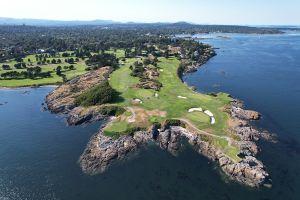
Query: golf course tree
150, 61
58, 70
53, 61
82, 53
6, 67
65, 54
166, 54
102, 60
70, 60
30, 73
20, 65
137, 69
70, 67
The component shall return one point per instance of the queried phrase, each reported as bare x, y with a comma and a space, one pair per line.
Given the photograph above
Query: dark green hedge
97, 95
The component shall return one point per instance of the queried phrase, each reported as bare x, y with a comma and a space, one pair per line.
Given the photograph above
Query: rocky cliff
102, 151
62, 99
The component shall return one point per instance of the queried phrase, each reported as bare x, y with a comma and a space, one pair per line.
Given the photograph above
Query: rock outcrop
102, 151
62, 99
149, 79
240, 123
238, 112
81, 115
190, 67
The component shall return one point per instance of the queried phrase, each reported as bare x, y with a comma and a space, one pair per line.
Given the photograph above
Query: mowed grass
54, 79
117, 128
168, 100
174, 107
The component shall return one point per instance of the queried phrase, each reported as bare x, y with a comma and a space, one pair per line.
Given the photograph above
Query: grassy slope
54, 79
168, 101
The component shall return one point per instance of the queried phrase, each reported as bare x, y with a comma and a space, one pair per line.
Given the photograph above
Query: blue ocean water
39, 153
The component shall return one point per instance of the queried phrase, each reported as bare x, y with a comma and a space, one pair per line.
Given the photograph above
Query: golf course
30, 61
146, 107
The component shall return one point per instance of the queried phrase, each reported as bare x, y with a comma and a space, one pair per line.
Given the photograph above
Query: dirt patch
142, 116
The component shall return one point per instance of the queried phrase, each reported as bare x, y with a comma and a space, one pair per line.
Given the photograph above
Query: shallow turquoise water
39, 153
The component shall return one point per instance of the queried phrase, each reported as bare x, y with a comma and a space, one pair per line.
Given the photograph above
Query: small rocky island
155, 105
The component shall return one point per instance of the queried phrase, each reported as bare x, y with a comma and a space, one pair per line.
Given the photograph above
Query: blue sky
245, 12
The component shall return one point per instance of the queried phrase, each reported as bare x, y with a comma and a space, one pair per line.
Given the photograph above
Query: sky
241, 12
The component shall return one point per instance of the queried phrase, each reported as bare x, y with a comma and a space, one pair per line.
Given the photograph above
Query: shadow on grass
117, 98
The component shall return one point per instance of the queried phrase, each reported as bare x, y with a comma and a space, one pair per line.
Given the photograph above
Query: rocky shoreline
62, 99
102, 151
206, 55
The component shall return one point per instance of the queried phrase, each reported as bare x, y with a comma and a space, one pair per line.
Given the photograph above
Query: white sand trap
208, 113
181, 97
161, 70
212, 120
195, 109
138, 100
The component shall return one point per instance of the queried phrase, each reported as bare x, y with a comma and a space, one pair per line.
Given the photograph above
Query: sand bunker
212, 120
195, 109
208, 113
181, 97
137, 101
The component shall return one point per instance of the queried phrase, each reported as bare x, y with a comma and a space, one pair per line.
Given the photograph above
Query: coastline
29, 87
102, 150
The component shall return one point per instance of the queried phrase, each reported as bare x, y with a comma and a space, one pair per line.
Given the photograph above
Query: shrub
173, 122
111, 110
97, 95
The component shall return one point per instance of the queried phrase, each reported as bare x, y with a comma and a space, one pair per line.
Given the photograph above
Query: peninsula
149, 102
130, 77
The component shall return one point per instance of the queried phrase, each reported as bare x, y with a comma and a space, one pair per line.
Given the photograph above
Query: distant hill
157, 28
45, 22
